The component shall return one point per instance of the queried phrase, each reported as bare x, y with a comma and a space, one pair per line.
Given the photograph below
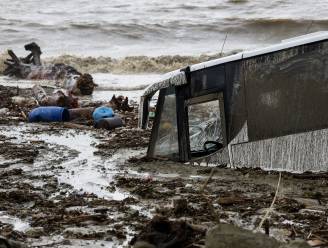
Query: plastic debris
48, 114
102, 112
109, 123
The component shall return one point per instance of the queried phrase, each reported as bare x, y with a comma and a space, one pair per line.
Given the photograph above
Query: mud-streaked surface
62, 191
65, 187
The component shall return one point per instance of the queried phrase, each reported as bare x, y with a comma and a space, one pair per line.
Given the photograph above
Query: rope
271, 206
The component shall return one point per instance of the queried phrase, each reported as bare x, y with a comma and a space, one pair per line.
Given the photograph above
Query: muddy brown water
64, 187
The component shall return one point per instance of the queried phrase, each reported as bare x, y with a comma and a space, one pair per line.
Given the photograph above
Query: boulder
6, 243
230, 236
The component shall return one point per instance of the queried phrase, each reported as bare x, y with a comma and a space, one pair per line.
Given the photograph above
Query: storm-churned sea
117, 30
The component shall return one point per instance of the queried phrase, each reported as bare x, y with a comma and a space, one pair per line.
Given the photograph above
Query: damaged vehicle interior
246, 97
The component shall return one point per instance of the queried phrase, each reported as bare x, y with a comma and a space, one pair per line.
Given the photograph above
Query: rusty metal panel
287, 91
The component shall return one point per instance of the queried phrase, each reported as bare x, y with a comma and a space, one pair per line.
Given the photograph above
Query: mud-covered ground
64, 186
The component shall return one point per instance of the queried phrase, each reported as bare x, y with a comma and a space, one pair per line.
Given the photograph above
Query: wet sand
78, 194
64, 186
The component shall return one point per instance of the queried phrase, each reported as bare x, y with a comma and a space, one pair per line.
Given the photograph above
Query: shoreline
127, 65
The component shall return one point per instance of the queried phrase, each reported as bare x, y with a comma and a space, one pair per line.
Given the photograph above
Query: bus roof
285, 44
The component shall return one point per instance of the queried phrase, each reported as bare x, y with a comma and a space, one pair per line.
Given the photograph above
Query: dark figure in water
31, 67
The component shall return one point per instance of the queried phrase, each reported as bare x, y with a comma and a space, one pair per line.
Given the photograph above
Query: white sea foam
151, 28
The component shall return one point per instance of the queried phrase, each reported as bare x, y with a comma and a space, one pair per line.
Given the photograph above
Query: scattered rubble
159, 203
230, 236
31, 67
161, 232
153, 188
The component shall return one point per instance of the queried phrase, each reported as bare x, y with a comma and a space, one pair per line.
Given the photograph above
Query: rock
289, 205
35, 232
21, 101
143, 244
85, 233
162, 232
3, 111
231, 200
295, 244
101, 210
180, 205
6, 243
230, 236
133, 213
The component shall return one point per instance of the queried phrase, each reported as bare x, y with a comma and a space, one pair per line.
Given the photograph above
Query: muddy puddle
64, 166
64, 187
71, 159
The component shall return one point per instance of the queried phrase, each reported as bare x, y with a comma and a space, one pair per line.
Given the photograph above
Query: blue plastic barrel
102, 112
48, 114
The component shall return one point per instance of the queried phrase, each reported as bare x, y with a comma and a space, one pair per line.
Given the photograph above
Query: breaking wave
126, 65
131, 64
275, 25
170, 30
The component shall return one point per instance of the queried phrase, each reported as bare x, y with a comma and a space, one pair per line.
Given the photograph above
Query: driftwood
31, 67
35, 56
59, 98
120, 103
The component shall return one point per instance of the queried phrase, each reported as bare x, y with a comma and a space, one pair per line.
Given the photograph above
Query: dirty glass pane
167, 140
207, 80
204, 124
